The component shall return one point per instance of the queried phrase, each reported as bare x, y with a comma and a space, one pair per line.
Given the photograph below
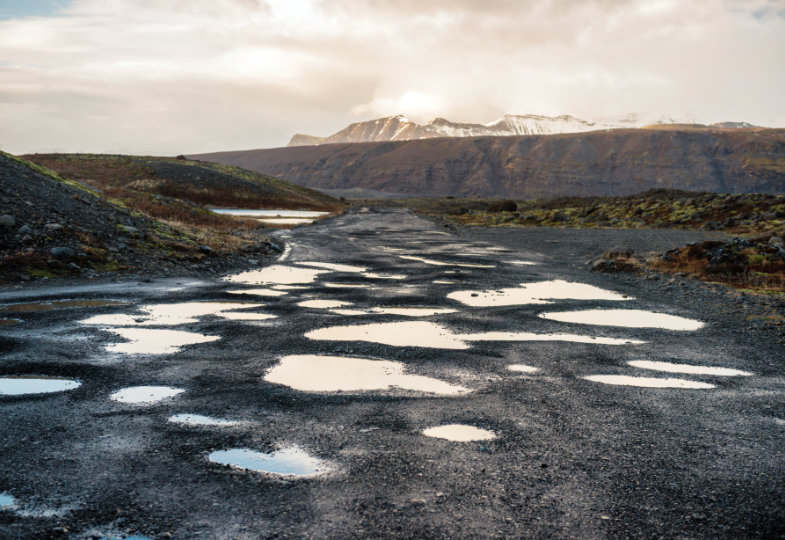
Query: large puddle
629, 318
145, 395
313, 373
182, 313
32, 384
433, 262
149, 341
201, 420
290, 462
6, 500
428, 334
541, 292
648, 382
375, 275
400, 311
459, 433
277, 274
323, 304
58, 304
333, 267
669, 367
259, 292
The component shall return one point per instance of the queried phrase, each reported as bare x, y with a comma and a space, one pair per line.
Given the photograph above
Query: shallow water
286, 221
433, 262
145, 395
149, 341
528, 336
323, 304
412, 311
269, 213
181, 313
334, 267
459, 433
374, 275
259, 292
6, 500
58, 304
689, 369
200, 420
523, 368
289, 462
277, 274
648, 382
314, 373
32, 384
629, 318
540, 292
522, 263
336, 285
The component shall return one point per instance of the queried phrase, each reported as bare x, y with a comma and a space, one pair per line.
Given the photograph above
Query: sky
167, 77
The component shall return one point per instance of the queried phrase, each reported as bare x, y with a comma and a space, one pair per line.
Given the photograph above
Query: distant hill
615, 162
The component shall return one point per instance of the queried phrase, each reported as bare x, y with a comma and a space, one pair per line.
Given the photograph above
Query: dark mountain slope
615, 162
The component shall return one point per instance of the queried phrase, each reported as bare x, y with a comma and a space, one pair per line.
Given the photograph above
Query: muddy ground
571, 457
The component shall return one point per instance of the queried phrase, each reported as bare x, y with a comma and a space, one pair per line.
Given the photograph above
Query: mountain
614, 162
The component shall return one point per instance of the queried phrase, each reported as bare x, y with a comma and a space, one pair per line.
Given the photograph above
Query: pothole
323, 304
180, 313
669, 367
201, 420
434, 262
334, 267
288, 462
259, 292
523, 368
629, 318
20, 385
149, 341
277, 274
540, 292
648, 382
145, 395
459, 433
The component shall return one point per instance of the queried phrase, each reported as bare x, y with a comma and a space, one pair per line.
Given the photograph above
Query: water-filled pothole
201, 420
541, 292
669, 367
377, 275
289, 462
433, 262
149, 341
334, 267
20, 385
56, 304
523, 368
180, 313
323, 304
145, 395
314, 373
277, 274
459, 433
629, 318
6, 500
259, 292
648, 382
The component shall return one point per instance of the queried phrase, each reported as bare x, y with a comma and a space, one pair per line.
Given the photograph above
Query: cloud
176, 76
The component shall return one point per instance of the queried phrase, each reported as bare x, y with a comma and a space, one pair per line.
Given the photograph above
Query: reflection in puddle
374, 275
686, 368
349, 312
183, 313
31, 384
443, 282
259, 292
335, 285
540, 292
648, 382
629, 318
6, 500
323, 304
200, 420
459, 433
441, 263
522, 263
143, 395
412, 311
335, 267
428, 334
523, 368
148, 341
314, 373
277, 274
6, 322
59, 304
291, 461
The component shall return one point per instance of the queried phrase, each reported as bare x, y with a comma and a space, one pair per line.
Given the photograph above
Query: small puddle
374, 275
200, 420
335, 285
6, 500
277, 274
32, 384
259, 292
522, 263
528, 336
443, 282
459, 433
323, 304
290, 462
58, 304
148, 341
334, 267
145, 395
412, 311
668, 367
540, 292
523, 368
648, 382
314, 373
349, 312
177, 314
442, 263
629, 318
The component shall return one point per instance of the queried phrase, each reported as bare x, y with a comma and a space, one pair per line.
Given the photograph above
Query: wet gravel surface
571, 457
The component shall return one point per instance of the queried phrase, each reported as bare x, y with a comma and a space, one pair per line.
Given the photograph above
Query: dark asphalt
571, 457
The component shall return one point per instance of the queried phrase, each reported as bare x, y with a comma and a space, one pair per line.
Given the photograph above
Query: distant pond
274, 217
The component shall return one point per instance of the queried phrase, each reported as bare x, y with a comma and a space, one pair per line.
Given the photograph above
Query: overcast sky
181, 76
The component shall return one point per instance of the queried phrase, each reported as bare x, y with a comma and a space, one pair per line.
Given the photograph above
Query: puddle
176, 314
290, 287
200, 420
648, 382
412, 311
286, 221
148, 341
349, 312
335, 267
374, 275
459, 433
59, 304
523, 263
259, 292
686, 368
6, 500
523, 368
629, 318
540, 292
292, 461
441, 263
145, 395
265, 213
335, 285
31, 384
277, 274
443, 282
428, 334
7, 322
323, 304
313, 373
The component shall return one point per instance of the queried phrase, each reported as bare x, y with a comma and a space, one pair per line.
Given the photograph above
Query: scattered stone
53, 227
61, 252
7, 221
618, 253
207, 250
24, 230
